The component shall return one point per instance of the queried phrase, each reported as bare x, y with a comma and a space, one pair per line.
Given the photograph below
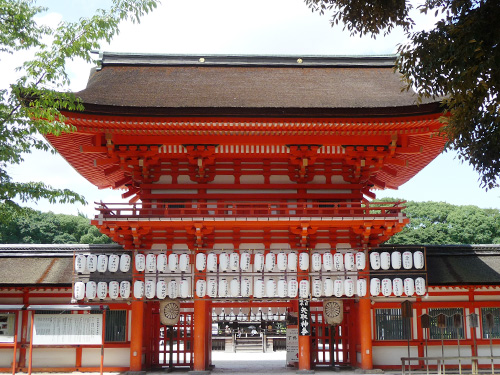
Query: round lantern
293, 288
113, 289
338, 288
102, 290
150, 263
212, 288
92, 263
140, 262
396, 260
407, 260
420, 286
223, 262
102, 263
80, 263
375, 286
271, 288
161, 289
349, 287
282, 288
375, 260
234, 287
360, 260
125, 262
361, 287
173, 262
258, 289
184, 288
234, 261
270, 261
409, 286
91, 290
292, 262
317, 288
338, 262
246, 287
258, 262
328, 261
223, 288
245, 261
138, 289
386, 286
173, 289
304, 261
316, 262
201, 288
397, 287
418, 259
150, 288
304, 288
349, 261
125, 289
212, 262
113, 263
385, 260
282, 261
161, 263
201, 261
79, 290
328, 287
184, 262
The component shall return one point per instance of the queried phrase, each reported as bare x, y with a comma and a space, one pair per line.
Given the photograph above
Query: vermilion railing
249, 209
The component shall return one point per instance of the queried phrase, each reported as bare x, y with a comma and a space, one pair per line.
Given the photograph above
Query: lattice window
449, 332
495, 332
116, 325
391, 325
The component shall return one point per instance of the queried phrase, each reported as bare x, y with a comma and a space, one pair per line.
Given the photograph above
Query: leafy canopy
31, 105
458, 59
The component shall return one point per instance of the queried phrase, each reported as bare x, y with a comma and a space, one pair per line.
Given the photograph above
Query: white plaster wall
391, 355
185, 179
251, 179
116, 357
54, 357
6, 357
252, 191
280, 180
222, 179
174, 191
164, 179
485, 350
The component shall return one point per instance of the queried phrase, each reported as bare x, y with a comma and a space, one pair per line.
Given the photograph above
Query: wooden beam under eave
93, 149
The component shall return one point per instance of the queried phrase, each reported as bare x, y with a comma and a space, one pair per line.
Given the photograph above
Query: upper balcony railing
250, 210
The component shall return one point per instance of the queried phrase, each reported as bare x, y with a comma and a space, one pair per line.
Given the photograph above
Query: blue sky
239, 27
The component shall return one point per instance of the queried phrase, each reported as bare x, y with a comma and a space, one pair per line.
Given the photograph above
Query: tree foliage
31, 105
457, 60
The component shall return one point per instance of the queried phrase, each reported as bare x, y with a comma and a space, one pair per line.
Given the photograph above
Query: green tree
31, 105
457, 60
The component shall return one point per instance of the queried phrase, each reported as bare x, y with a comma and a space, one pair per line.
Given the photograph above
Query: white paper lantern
223, 288
349, 287
246, 287
184, 262
161, 263
409, 286
407, 260
173, 289
293, 288
125, 262
258, 288
234, 287
125, 289
212, 288
79, 290
375, 260
338, 288
102, 263
338, 262
349, 261
361, 287
282, 288
150, 263
92, 263
418, 259
375, 286
113, 263
282, 261
316, 262
304, 262
173, 262
184, 288
360, 260
386, 286
304, 288
91, 290
397, 287
102, 290
270, 261
385, 260
201, 288
138, 289
201, 261
245, 261
223, 262
328, 261
161, 289
292, 262
212, 262
317, 288
328, 287
258, 262
114, 289
420, 286
140, 262
234, 261
150, 289
80, 263
396, 260
271, 288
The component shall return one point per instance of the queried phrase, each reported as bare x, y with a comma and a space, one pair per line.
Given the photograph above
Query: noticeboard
67, 329
7, 322
292, 344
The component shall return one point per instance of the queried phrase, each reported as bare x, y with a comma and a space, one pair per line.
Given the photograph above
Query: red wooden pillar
365, 333
201, 335
137, 336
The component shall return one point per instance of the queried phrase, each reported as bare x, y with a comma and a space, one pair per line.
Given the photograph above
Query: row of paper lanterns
397, 260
